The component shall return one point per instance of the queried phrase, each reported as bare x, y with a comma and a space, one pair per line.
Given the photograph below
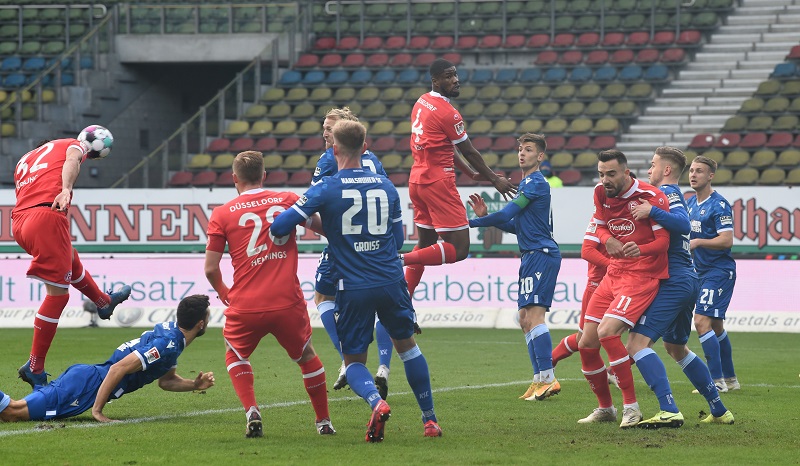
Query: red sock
314, 380
594, 369
565, 348
45, 325
438, 254
620, 363
241, 373
83, 282
413, 274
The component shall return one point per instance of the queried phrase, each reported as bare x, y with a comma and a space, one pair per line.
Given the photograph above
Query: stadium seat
505, 144
789, 159
222, 161
586, 161
762, 158
481, 76
423, 60
793, 177
348, 43
490, 42
546, 58
307, 60
204, 179
736, 159
180, 179
312, 78
597, 58
218, 145
572, 109
289, 144
702, 141
630, 73
605, 74
780, 140
272, 161
513, 94
372, 43
588, 40
394, 43
284, 128
465, 180
603, 142
260, 128
273, 95
255, 111
399, 179
736, 123
466, 43
225, 180
673, 56
300, 178
784, 71
538, 41
570, 58
555, 75
563, 40
514, 41
656, 73
290, 78
354, 60
489, 93
505, 76
772, 177
689, 38
578, 142
530, 76
786, 123
276, 178
241, 144
646, 56
325, 43
753, 141
745, 177
482, 143
554, 143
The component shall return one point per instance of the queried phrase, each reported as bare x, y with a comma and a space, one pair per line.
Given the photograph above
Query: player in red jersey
265, 297
638, 250
44, 178
438, 211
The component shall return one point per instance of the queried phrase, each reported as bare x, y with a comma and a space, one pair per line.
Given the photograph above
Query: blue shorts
716, 290
324, 284
538, 274
670, 314
72, 393
357, 310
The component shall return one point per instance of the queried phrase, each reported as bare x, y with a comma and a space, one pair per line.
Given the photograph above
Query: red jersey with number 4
613, 214
37, 177
435, 127
264, 267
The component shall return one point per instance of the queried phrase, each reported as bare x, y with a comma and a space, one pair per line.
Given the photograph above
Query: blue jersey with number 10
358, 210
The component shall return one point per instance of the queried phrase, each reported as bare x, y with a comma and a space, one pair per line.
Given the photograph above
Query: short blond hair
343, 113
673, 156
712, 164
349, 137
249, 166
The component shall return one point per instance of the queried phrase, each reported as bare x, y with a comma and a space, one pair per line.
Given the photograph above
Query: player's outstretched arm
214, 275
501, 219
172, 382
128, 365
474, 158
286, 222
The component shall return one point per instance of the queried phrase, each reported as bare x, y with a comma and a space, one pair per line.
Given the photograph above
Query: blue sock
327, 314
360, 380
711, 349
726, 355
419, 379
697, 372
384, 344
532, 352
543, 346
5, 400
655, 375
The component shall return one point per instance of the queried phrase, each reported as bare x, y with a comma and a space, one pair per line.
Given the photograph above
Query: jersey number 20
377, 204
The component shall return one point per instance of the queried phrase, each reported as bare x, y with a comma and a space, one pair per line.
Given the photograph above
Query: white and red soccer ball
97, 140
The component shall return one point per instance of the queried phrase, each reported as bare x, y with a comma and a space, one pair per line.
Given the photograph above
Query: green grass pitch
477, 376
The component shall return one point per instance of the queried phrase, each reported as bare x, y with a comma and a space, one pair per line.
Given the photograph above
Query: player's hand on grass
631, 249
100, 417
614, 248
641, 211
204, 380
478, 205
505, 187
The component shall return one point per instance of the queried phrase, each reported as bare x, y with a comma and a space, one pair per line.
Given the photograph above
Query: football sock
438, 254
710, 346
360, 380
327, 314
5, 400
241, 373
413, 274
565, 348
543, 346
314, 380
384, 344
697, 372
655, 375
726, 355
619, 360
419, 379
45, 325
83, 282
532, 355
594, 369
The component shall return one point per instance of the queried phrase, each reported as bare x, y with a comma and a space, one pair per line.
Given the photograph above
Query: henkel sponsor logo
621, 227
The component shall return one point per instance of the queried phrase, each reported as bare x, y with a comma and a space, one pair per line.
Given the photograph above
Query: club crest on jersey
152, 355
621, 227
632, 204
459, 127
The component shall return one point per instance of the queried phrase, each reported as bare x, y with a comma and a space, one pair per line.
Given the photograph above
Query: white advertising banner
175, 220
478, 293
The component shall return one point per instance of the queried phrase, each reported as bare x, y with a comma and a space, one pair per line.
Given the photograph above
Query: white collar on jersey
634, 188
436, 94
253, 191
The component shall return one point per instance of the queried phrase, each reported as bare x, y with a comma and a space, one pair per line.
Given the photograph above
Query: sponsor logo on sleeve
725, 220
459, 127
302, 200
152, 355
317, 171
673, 197
592, 228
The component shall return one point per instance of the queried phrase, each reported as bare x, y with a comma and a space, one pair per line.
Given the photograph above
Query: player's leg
242, 332
426, 233
82, 281
325, 300
726, 284
314, 381
448, 216
592, 365
569, 344
385, 347
710, 344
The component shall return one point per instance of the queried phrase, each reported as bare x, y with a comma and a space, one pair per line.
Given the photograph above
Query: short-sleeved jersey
614, 214
37, 176
708, 219
596, 272
358, 210
327, 165
264, 268
157, 349
534, 224
680, 257
435, 127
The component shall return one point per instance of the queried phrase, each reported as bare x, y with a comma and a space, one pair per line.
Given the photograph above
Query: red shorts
591, 287
44, 234
622, 297
291, 327
437, 206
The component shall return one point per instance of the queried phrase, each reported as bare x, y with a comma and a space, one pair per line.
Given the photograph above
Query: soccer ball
97, 140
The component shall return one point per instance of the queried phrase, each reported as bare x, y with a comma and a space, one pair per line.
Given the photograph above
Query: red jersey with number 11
264, 267
613, 214
435, 127
37, 177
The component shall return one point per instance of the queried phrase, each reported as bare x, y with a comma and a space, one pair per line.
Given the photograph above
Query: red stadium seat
646, 56
267, 144
307, 60
354, 60
555, 143
299, 178
515, 176
570, 177
403, 145
546, 58
241, 144
621, 57
204, 178
505, 144
467, 42
465, 180
482, 143
490, 42
382, 144
794, 54
401, 60
399, 178
454, 58
219, 145
597, 58
663, 39
689, 38
424, 60
225, 180
538, 41
276, 178
180, 179
563, 40
588, 39
514, 41
753, 141
796, 142
602, 143
702, 141
330, 60
727, 140
638, 39
372, 43
419, 43
570, 58
673, 55
613, 39
290, 144
313, 144
779, 140
325, 43
348, 43
377, 60
443, 43
577, 143
394, 43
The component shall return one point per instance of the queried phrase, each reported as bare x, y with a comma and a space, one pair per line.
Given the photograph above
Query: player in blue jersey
530, 217
711, 241
134, 364
670, 315
324, 288
362, 220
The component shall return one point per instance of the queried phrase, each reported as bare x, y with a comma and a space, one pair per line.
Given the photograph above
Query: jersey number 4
377, 205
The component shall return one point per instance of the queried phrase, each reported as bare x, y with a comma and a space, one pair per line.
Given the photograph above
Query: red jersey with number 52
614, 214
37, 176
435, 127
264, 267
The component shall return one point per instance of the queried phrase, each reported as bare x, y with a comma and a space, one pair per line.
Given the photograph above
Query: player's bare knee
321, 298
676, 352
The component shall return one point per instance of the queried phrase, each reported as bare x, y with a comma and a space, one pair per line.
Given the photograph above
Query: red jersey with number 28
37, 177
435, 127
614, 215
264, 267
